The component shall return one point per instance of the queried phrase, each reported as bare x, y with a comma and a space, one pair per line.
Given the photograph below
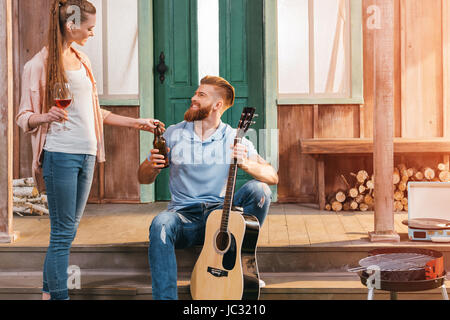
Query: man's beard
197, 115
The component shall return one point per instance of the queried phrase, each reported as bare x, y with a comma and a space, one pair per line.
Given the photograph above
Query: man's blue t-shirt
199, 169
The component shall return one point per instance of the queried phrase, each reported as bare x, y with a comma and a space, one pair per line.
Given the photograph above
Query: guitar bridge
217, 272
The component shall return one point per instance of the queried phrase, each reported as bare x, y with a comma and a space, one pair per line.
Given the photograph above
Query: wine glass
63, 99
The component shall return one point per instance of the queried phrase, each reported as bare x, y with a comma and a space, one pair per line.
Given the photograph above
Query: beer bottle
160, 143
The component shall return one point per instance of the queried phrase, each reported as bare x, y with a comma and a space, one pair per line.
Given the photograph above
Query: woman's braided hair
59, 14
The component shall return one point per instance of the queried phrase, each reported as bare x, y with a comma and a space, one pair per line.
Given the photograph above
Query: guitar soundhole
222, 241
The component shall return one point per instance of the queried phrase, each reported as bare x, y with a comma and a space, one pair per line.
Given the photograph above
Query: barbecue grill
402, 270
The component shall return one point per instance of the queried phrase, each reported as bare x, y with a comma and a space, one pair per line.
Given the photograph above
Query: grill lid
397, 261
403, 264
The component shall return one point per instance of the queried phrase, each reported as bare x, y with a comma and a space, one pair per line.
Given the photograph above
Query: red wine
63, 103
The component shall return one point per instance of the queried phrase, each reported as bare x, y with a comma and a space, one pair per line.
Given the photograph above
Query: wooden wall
30, 34
422, 99
5, 123
421, 108
116, 181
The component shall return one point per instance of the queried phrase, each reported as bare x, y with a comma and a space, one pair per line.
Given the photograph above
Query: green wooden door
241, 63
240, 55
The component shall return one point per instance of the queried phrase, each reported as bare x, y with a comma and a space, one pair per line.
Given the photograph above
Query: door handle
162, 67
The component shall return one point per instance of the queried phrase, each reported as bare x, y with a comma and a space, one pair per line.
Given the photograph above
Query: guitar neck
231, 184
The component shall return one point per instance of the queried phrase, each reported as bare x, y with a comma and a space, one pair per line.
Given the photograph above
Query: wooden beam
362, 121
384, 124
16, 73
321, 182
403, 71
446, 65
101, 184
316, 121
355, 145
6, 122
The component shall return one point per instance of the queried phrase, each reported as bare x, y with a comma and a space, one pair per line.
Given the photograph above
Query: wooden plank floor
287, 225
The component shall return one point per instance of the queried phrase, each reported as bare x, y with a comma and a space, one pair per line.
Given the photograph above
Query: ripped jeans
185, 228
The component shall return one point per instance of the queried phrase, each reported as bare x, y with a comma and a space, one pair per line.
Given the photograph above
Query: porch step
122, 272
125, 285
134, 258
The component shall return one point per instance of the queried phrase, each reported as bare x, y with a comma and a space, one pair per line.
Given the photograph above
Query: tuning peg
256, 116
253, 122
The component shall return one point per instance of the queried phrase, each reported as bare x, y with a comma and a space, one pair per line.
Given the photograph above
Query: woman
65, 159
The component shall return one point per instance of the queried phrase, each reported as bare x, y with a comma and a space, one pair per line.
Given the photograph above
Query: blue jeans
68, 180
185, 228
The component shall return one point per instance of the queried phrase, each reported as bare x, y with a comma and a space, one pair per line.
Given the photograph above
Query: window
319, 51
113, 51
208, 38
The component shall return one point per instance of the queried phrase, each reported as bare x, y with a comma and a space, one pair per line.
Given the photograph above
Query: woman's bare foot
45, 296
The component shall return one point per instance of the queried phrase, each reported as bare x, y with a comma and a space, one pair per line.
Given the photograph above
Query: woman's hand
56, 114
149, 125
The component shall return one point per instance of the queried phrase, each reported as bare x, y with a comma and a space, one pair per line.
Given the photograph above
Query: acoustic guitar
227, 268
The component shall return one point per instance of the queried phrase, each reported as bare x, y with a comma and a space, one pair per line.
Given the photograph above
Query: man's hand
157, 161
151, 168
255, 166
240, 153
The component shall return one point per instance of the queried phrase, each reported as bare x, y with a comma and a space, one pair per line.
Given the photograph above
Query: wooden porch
303, 253
287, 225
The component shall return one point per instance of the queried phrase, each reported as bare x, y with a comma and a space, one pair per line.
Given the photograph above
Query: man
201, 149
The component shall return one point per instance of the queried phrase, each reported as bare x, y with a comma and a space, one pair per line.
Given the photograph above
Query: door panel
175, 25
241, 63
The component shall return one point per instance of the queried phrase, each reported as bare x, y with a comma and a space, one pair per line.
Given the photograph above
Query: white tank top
81, 139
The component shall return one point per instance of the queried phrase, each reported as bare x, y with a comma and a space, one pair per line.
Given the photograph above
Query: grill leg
370, 294
444, 292
394, 295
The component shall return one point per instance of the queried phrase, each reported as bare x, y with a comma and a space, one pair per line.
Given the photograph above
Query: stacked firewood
361, 195
27, 200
